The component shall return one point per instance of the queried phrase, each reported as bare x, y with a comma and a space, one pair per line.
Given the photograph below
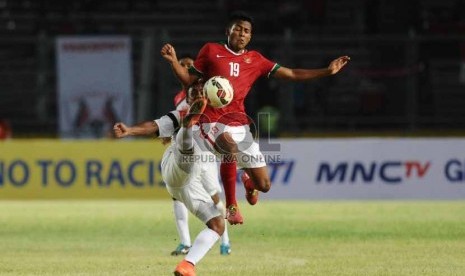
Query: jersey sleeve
182, 106
180, 101
168, 124
181, 96
267, 67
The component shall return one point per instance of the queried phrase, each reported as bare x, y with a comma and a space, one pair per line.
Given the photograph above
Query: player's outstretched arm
307, 74
142, 129
169, 53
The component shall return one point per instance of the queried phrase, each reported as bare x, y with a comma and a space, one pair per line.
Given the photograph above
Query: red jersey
180, 100
242, 70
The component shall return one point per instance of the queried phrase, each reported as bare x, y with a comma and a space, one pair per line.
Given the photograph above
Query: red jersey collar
232, 52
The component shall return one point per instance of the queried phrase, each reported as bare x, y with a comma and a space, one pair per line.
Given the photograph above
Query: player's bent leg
252, 160
202, 244
260, 178
216, 224
200, 204
225, 247
228, 176
182, 225
216, 198
251, 194
226, 145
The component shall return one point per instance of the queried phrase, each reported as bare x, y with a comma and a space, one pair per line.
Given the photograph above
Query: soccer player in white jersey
183, 176
213, 187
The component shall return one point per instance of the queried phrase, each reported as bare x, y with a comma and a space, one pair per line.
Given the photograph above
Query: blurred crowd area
407, 73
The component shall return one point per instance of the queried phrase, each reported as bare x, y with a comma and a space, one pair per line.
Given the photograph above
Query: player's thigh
260, 178
209, 179
251, 157
171, 174
198, 202
227, 139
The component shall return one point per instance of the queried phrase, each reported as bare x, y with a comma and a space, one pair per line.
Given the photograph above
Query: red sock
249, 184
228, 176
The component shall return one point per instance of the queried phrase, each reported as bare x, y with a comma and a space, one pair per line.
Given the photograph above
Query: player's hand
337, 64
168, 53
120, 130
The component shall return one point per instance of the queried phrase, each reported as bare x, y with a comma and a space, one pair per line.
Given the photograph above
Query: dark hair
239, 16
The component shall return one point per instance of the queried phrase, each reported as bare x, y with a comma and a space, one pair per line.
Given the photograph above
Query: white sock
202, 243
184, 139
182, 222
222, 209
225, 236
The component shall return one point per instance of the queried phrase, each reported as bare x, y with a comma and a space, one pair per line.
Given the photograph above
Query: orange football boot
195, 111
184, 268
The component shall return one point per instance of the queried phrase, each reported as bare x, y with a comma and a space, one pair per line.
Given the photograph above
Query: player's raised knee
263, 185
217, 224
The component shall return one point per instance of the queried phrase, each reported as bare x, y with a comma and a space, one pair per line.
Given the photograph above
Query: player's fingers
165, 49
343, 60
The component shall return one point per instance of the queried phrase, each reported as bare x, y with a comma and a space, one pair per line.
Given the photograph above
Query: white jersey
182, 105
168, 124
208, 163
185, 181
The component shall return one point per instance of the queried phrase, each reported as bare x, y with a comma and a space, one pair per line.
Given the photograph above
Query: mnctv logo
389, 172
454, 170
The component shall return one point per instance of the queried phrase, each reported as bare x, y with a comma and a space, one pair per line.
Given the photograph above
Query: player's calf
260, 179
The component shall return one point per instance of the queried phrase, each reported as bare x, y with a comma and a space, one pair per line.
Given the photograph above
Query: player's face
195, 92
186, 62
239, 35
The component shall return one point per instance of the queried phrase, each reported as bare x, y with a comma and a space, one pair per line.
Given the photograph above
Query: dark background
406, 77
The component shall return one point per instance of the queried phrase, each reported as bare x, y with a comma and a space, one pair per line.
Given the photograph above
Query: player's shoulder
255, 53
214, 46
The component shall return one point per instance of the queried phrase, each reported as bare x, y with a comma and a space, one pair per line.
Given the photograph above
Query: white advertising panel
366, 169
94, 84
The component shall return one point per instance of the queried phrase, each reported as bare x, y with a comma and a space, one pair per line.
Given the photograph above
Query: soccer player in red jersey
227, 128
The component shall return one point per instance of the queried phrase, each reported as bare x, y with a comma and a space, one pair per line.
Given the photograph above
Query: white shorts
210, 179
249, 155
185, 184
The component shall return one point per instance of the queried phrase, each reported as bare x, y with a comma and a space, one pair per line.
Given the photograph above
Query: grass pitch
278, 238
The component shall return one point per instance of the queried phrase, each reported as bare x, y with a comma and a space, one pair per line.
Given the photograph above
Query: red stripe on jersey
206, 137
179, 97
